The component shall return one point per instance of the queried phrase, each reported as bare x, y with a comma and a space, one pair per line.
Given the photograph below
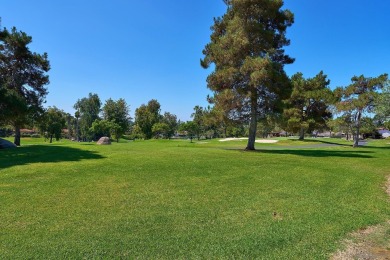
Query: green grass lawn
175, 199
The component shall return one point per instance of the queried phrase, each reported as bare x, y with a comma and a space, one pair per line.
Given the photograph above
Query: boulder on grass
4, 144
104, 141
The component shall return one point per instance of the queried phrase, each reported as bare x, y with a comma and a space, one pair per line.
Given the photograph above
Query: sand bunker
262, 141
265, 141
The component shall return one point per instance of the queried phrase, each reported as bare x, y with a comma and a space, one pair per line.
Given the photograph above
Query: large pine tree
22, 79
308, 105
359, 98
246, 48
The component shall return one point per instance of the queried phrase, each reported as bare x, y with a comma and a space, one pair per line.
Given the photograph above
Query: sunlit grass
176, 199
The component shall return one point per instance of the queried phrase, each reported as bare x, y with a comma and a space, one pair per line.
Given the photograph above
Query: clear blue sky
139, 50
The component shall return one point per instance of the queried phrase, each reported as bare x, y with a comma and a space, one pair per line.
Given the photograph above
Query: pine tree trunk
77, 130
68, 122
302, 134
356, 141
51, 138
17, 136
253, 125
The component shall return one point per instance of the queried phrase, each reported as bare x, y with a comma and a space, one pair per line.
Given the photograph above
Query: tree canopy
146, 116
117, 112
246, 47
190, 128
88, 109
171, 121
52, 122
382, 103
308, 104
198, 119
359, 98
23, 77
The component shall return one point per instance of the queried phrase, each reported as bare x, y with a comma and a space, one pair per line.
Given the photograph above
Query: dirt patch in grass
371, 243
388, 186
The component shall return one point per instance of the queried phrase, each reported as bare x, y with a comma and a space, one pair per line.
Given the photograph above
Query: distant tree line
252, 95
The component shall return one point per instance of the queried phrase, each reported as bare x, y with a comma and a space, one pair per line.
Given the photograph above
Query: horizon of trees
252, 95
93, 119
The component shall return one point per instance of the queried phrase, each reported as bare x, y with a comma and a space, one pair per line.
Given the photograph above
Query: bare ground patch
371, 243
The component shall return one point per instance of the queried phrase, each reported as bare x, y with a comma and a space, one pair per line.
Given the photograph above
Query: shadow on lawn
315, 153
314, 140
321, 153
362, 144
44, 154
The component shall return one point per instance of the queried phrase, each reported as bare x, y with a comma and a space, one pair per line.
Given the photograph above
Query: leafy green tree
22, 80
387, 124
235, 131
210, 123
53, 122
69, 119
359, 98
77, 125
382, 103
136, 132
246, 47
213, 122
102, 128
160, 129
190, 128
379, 120
146, 116
367, 127
345, 125
89, 109
307, 107
172, 123
118, 113
198, 119
332, 125
265, 126
3, 103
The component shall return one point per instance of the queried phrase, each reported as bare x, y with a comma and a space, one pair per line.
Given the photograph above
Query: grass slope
174, 199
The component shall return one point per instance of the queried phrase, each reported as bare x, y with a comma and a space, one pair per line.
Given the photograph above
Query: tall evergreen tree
22, 79
359, 98
246, 48
382, 103
198, 119
308, 103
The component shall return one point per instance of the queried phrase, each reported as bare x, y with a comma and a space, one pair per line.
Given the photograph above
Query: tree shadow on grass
44, 154
362, 143
316, 153
322, 153
315, 140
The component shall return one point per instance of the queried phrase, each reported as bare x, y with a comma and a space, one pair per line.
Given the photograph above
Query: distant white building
384, 132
